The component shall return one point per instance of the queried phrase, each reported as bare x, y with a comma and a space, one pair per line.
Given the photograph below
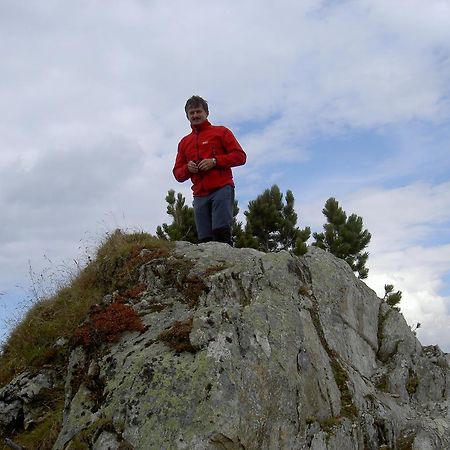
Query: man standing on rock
206, 156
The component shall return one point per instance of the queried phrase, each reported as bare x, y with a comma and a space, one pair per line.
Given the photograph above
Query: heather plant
107, 324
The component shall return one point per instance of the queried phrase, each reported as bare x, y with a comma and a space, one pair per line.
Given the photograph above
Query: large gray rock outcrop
246, 350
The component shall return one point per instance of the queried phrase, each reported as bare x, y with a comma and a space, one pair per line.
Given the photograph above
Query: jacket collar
201, 127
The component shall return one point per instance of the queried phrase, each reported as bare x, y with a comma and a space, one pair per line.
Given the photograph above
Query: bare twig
13, 445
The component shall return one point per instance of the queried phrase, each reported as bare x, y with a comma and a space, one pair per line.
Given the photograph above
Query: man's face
196, 115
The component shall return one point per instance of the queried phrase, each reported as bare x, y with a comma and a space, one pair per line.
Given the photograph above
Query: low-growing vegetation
107, 324
114, 267
43, 435
392, 298
177, 336
271, 226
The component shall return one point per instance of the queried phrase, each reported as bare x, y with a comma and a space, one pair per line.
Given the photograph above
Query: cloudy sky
346, 99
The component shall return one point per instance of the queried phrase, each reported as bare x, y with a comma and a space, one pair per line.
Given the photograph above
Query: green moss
177, 390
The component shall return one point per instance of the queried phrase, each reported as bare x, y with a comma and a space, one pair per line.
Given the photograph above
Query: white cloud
348, 64
92, 103
401, 221
418, 273
410, 248
404, 216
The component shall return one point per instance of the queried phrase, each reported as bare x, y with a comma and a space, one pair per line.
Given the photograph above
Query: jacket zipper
197, 134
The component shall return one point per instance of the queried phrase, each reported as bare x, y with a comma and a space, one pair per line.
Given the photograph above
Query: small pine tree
237, 230
182, 227
344, 238
300, 244
392, 298
271, 224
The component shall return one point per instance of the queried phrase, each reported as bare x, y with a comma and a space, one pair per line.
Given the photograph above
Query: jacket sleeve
233, 155
180, 169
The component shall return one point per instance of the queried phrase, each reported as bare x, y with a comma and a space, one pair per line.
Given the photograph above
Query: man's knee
223, 235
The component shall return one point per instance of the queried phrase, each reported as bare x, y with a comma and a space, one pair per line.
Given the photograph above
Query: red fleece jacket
208, 141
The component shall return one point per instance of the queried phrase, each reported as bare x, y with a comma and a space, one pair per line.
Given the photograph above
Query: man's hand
206, 164
192, 167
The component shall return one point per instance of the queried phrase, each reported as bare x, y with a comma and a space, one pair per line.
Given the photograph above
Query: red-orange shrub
135, 291
106, 325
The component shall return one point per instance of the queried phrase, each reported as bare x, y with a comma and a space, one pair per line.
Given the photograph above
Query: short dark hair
194, 102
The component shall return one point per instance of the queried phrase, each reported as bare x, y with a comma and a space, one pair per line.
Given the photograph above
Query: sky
344, 99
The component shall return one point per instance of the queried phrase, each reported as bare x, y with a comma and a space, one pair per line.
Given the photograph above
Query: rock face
246, 350
21, 399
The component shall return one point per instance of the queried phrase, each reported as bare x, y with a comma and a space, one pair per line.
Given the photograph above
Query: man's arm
181, 170
233, 155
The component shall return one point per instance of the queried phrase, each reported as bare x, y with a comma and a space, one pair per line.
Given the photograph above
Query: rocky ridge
246, 350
